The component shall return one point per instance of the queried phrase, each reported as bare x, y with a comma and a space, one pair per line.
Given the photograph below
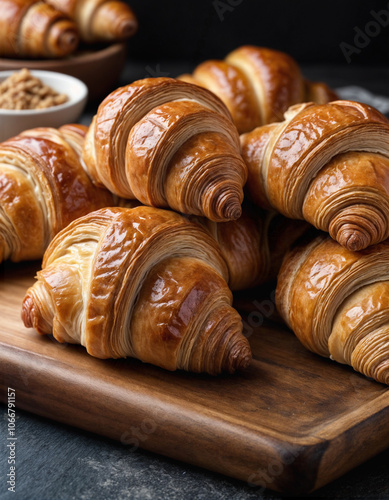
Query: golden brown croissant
327, 164
258, 85
142, 282
99, 20
337, 303
167, 144
240, 243
254, 245
43, 187
30, 28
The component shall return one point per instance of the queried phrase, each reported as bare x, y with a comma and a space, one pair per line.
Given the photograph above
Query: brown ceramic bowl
98, 69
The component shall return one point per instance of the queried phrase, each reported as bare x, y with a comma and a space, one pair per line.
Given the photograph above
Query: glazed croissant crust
337, 303
254, 245
168, 144
327, 164
43, 187
258, 85
99, 20
141, 282
31, 28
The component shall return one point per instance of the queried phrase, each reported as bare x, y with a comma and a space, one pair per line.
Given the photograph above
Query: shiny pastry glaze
258, 85
43, 187
168, 144
311, 167
254, 245
336, 302
139, 282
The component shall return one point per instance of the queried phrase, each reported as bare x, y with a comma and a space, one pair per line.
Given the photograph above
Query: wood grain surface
292, 422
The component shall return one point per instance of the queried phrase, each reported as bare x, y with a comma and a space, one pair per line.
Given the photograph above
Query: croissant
327, 164
30, 28
167, 144
254, 245
240, 243
337, 303
258, 85
43, 187
144, 283
99, 20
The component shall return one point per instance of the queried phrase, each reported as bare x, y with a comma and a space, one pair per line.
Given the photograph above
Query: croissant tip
27, 311
239, 357
67, 42
229, 209
235, 212
244, 360
353, 239
127, 28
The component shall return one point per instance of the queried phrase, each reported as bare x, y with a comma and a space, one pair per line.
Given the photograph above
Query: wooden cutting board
292, 422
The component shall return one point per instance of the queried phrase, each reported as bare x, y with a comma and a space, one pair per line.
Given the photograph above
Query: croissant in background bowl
99, 20
34, 29
40, 29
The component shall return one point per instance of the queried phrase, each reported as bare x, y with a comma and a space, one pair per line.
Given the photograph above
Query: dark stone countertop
62, 463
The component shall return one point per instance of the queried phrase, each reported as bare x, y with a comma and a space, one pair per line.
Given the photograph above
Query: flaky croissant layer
168, 144
141, 282
337, 303
327, 164
258, 85
43, 187
252, 246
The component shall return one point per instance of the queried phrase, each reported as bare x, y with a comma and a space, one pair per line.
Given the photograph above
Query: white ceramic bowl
12, 122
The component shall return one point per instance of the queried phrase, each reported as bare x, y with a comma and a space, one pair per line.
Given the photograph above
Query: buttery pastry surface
168, 144
254, 245
327, 164
337, 303
142, 282
43, 187
258, 85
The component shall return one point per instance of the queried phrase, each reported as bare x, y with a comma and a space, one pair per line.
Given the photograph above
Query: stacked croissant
53, 28
140, 223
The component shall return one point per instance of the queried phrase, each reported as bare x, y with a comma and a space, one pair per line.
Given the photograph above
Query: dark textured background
310, 31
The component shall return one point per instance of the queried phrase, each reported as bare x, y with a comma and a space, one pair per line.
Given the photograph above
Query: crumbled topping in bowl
22, 90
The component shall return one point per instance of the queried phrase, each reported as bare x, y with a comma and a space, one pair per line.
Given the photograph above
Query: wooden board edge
138, 420
354, 446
